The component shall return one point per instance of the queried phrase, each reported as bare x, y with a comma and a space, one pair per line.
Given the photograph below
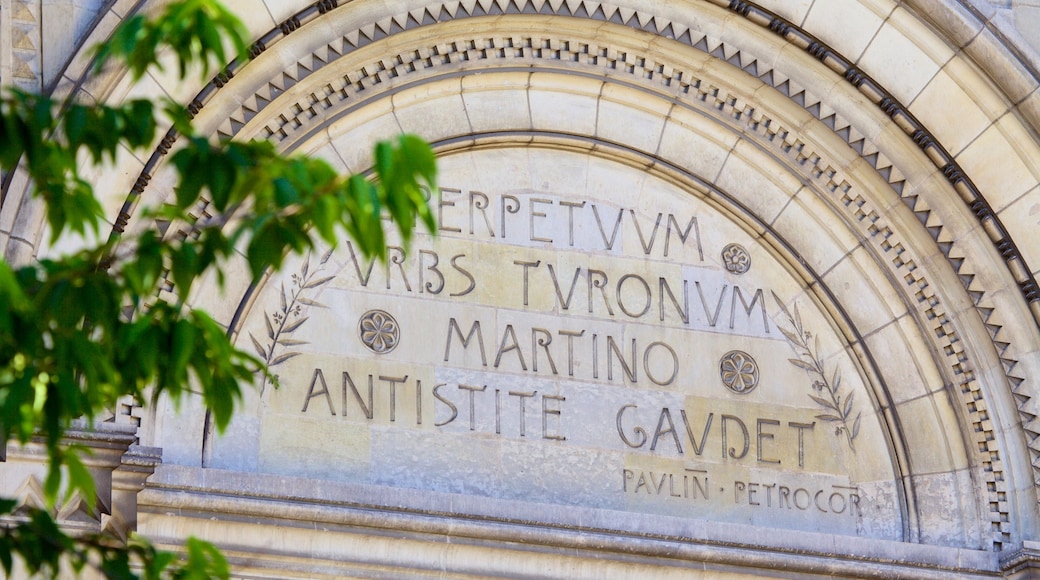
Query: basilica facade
719, 289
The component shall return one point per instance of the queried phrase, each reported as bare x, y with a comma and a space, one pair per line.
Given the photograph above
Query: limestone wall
727, 287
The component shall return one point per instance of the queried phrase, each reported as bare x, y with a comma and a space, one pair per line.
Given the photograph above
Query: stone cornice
296, 508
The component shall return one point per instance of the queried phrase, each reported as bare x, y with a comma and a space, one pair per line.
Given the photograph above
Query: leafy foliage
43, 546
79, 332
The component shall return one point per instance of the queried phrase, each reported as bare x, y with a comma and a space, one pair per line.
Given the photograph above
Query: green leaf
183, 347
6, 554
80, 478
184, 268
265, 249
75, 119
420, 158
205, 560
115, 564
285, 193
325, 215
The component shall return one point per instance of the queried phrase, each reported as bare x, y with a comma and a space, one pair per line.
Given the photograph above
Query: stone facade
720, 289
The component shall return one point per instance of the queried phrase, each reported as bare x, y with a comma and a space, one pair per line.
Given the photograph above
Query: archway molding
948, 274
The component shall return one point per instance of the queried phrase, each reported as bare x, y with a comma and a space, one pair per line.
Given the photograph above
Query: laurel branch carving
289, 317
826, 393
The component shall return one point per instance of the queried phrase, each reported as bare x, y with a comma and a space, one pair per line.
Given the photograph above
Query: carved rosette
739, 372
379, 331
736, 259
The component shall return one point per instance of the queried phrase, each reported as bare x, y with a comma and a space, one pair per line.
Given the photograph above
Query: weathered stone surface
895, 211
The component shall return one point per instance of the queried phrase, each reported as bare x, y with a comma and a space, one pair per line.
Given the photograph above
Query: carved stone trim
120, 468
252, 503
753, 121
948, 340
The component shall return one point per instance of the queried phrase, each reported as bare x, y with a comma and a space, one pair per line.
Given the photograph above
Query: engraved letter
428, 286
684, 312
697, 485
478, 200
527, 266
630, 370
418, 402
498, 412
841, 506
461, 270
598, 279
666, 414
704, 303
544, 341
324, 391
395, 256
639, 231
801, 439
570, 217
441, 204
475, 329
566, 304
683, 234
454, 409
747, 308
646, 292
546, 411
472, 406
523, 409
761, 436
510, 334
363, 278
617, 225
743, 431
816, 500
508, 208
704, 436
393, 393
535, 214
638, 430
369, 409
570, 334
646, 364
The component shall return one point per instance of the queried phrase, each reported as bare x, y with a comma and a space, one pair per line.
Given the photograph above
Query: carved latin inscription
587, 332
